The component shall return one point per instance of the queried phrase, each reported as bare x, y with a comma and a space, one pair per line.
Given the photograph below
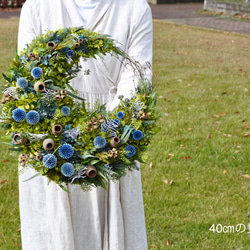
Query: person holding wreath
98, 219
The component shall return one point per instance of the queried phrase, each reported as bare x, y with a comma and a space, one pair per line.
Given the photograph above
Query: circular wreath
50, 125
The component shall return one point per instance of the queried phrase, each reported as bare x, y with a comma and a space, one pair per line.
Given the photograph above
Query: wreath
50, 125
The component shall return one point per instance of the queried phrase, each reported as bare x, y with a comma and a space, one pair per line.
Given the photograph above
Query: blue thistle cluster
37, 72
67, 169
70, 53
120, 115
137, 135
65, 49
66, 151
33, 117
66, 110
130, 150
100, 142
19, 115
22, 83
49, 161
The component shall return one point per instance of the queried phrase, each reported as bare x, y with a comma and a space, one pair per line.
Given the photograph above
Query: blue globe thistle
65, 49
19, 114
33, 117
70, 53
49, 161
22, 83
130, 150
66, 151
100, 142
116, 122
120, 115
37, 72
66, 110
137, 135
67, 169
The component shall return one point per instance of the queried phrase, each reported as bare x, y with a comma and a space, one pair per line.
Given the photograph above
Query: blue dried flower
22, 83
120, 115
37, 72
33, 117
130, 150
19, 114
70, 53
116, 122
66, 151
67, 169
100, 142
49, 161
137, 135
65, 49
66, 110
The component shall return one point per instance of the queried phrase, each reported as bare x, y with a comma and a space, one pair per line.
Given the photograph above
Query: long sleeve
139, 48
27, 25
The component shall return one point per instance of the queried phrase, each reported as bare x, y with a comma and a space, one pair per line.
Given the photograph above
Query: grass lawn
200, 159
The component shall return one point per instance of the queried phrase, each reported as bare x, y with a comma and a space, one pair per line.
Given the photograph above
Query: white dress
52, 219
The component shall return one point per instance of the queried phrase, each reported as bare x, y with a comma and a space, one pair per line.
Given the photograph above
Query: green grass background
199, 157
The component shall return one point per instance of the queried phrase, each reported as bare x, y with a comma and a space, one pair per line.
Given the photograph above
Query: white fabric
86, 9
96, 220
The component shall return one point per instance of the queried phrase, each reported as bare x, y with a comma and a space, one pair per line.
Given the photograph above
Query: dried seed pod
37, 153
78, 45
31, 54
3, 101
96, 127
101, 120
80, 40
57, 91
115, 141
57, 129
22, 164
31, 156
58, 97
51, 45
18, 140
23, 156
38, 157
63, 97
48, 144
39, 86
63, 92
7, 99
91, 171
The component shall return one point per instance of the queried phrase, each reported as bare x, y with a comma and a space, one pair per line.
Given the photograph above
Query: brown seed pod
115, 141
7, 99
18, 140
3, 101
38, 157
22, 156
51, 45
91, 171
31, 156
63, 97
78, 45
63, 92
39, 86
48, 144
58, 97
57, 129
80, 40
31, 54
